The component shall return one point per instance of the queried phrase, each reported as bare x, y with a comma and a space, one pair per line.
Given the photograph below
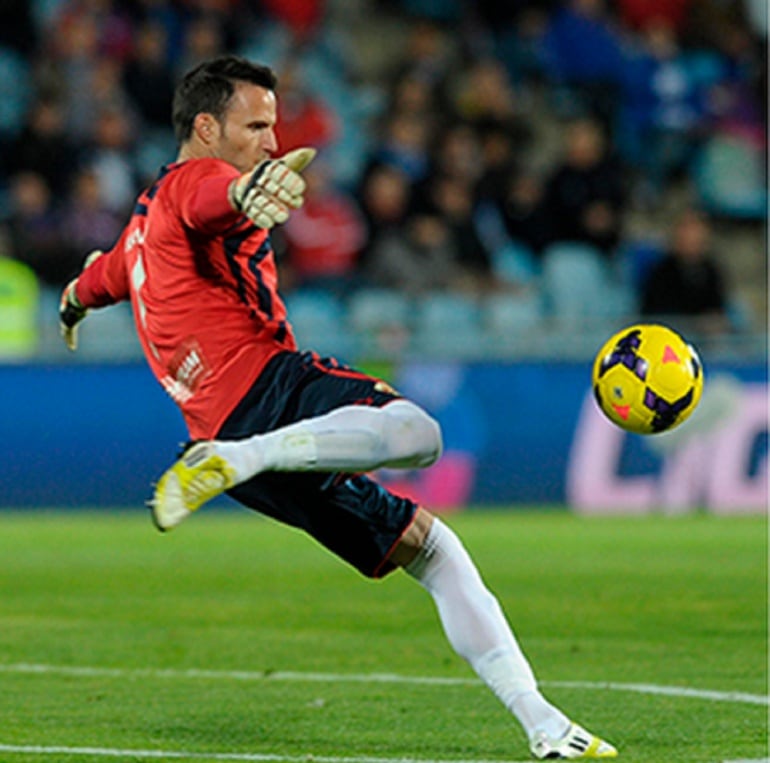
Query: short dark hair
208, 87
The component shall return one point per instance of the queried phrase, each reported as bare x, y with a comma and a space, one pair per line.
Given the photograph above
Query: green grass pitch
234, 638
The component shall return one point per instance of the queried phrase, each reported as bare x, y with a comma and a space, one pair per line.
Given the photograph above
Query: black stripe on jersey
280, 332
262, 294
264, 297
164, 170
142, 207
232, 246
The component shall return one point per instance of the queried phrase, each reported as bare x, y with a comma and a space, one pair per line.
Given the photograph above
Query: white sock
354, 438
478, 631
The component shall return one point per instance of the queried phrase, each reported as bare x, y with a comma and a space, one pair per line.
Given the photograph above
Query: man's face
246, 134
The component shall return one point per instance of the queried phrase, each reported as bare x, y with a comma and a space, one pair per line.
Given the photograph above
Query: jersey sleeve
105, 281
202, 195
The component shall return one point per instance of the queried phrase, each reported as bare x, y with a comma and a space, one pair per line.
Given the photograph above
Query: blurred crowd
434, 171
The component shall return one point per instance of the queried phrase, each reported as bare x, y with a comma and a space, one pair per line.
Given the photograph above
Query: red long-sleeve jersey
203, 287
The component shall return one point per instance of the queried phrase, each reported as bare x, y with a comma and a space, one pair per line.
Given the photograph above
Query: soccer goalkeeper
285, 432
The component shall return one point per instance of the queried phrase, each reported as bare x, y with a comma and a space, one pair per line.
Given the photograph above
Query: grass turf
670, 602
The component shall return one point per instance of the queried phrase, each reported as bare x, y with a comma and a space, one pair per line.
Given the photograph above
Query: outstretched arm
273, 188
215, 196
102, 282
71, 309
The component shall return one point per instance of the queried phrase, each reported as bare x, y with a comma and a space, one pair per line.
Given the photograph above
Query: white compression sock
354, 438
478, 631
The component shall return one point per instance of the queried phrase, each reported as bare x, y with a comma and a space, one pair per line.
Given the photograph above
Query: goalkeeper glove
71, 310
266, 194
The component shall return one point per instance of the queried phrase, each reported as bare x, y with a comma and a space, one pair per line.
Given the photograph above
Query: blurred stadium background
501, 187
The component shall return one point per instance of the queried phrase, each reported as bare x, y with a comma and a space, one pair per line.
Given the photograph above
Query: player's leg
478, 631
303, 415
353, 438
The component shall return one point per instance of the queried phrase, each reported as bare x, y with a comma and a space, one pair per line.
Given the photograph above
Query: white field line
669, 691
108, 752
87, 671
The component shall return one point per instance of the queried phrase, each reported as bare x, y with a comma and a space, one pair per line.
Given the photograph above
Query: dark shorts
351, 515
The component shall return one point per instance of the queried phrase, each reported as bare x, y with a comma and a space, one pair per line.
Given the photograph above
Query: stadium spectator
665, 111
110, 156
456, 152
303, 18
484, 93
527, 220
688, 281
452, 198
384, 197
583, 56
295, 434
322, 240
414, 96
417, 257
147, 78
519, 41
304, 118
167, 14
103, 24
35, 232
405, 145
44, 147
503, 147
428, 54
739, 96
87, 220
203, 36
73, 55
585, 191
638, 15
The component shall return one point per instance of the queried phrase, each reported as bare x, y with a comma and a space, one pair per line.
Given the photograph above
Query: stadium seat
515, 263
156, 149
729, 177
636, 259
370, 310
512, 314
15, 91
380, 319
578, 285
109, 333
447, 324
318, 319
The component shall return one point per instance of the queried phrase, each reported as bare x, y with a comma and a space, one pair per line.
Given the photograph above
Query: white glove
71, 311
267, 193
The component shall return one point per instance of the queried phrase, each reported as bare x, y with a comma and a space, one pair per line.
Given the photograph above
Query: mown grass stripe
299, 676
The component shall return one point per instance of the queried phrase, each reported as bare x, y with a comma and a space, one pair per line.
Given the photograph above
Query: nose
269, 141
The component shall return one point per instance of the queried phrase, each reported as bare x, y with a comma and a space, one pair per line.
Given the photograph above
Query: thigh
352, 516
297, 386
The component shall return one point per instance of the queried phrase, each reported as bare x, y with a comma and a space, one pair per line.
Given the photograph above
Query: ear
206, 128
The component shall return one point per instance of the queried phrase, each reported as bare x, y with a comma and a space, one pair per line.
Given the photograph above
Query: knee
412, 433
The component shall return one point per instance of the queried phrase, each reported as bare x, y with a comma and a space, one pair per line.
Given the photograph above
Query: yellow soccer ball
647, 379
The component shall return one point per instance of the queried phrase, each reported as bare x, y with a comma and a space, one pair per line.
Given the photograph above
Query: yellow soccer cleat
198, 476
576, 744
